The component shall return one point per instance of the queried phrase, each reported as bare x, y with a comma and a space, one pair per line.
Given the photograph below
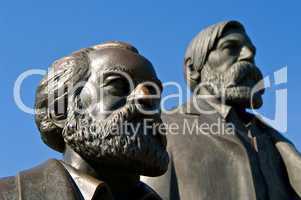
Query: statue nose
246, 54
141, 90
144, 94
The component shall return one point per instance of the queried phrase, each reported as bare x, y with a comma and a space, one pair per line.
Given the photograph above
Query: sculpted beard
236, 84
103, 141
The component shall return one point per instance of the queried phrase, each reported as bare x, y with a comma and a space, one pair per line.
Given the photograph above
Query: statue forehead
115, 59
235, 34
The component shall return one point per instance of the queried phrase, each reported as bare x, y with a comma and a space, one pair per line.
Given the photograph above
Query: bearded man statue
219, 150
100, 108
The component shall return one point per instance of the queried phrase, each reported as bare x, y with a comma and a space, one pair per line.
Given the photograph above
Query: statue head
103, 103
221, 58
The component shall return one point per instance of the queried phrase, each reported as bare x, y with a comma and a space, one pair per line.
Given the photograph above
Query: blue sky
35, 33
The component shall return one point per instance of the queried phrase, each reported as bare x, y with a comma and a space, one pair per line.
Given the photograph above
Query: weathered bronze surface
100, 161
219, 150
250, 161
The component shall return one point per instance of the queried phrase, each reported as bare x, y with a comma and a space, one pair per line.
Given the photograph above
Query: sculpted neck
243, 115
119, 182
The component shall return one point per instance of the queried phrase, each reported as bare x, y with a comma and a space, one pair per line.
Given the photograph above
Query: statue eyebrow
234, 40
120, 68
117, 68
112, 73
111, 78
223, 42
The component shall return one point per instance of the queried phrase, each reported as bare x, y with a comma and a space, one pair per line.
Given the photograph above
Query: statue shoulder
8, 188
39, 179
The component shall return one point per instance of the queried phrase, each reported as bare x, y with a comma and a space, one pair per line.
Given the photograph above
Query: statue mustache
242, 72
100, 139
129, 113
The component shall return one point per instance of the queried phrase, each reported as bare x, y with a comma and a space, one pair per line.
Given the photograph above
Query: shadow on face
234, 46
230, 70
115, 73
118, 124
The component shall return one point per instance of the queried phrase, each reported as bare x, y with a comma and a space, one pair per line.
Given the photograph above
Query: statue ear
192, 74
56, 120
57, 112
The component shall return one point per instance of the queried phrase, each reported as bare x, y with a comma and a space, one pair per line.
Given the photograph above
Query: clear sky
35, 33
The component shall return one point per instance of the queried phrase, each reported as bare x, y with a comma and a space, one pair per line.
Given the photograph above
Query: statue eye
117, 86
231, 47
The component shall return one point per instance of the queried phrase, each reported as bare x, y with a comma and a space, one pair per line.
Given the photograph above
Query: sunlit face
230, 68
113, 78
112, 131
233, 47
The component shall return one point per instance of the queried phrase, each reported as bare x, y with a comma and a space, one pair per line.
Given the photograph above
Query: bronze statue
220, 151
82, 105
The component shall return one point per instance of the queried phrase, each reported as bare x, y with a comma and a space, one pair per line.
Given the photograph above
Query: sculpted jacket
211, 163
51, 181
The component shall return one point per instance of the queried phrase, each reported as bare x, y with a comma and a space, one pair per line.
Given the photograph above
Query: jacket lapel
245, 185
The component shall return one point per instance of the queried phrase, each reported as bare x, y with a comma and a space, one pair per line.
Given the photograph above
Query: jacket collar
87, 185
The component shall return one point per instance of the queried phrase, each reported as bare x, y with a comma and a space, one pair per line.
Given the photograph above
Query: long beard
107, 143
235, 86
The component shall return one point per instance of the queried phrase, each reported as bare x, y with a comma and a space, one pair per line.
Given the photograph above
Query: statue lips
159, 136
145, 103
246, 74
156, 131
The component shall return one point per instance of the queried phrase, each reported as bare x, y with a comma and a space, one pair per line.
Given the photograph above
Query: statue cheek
106, 106
221, 60
88, 97
217, 60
